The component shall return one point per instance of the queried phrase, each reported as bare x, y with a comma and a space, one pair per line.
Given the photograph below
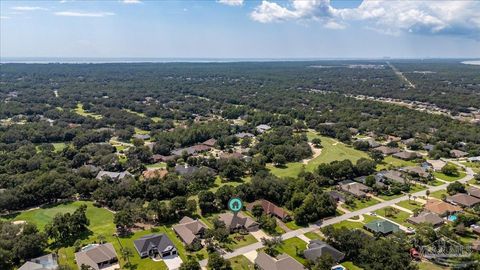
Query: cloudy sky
240, 28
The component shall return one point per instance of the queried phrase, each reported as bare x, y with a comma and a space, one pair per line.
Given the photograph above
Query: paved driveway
172, 262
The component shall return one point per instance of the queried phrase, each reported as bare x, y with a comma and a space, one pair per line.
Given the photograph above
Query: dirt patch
316, 153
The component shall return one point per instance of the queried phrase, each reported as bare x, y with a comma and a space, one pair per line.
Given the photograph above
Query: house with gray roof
458, 153
155, 245
390, 176
382, 226
317, 248
141, 136
356, 189
473, 191
97, 257
281, 262
189, 229
185, 169
426, 217
114, 176
46, 262
463, 200
263, 128
242, 135
385, 150
237, 221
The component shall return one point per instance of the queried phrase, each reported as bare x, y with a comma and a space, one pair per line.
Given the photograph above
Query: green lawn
81, 111
438, 194
448, 178
241, 263
331, 150
313, 235
474, 165
292, 225
348, 224
156, 119
101, 223
141, 131
59, 146
134, 112
290, 246
391, 162
360, 204
399, 217
351, 266
158, 165
426, 265
412, 205
245, 241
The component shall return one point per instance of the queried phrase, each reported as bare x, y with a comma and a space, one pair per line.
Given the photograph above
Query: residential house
98, 256
378, 180
404, 155
154, 173
210, 142
390, 176
474, 159
409, 141
262, 128
162, 158
114, 176
185, 169
270, 208
416, 171
337, 196
155, 245
441, 208
457, 153
317, 248
234, 155
242, 135
436, 164
141, 136
46, 262
382, 226
282, 262
356, 189
238, 221
473, 191
190, 230
464, 200
391, 138
385, 150
428, 147
426, 217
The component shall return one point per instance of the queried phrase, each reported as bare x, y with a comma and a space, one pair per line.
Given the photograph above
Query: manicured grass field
390, 162
141, 131
348, 224
449, 178
426, 265
247, 240
156, 165
313, 235
292, 225
474, 165
360, 204
412, 205
399, 217
438, 194
331, 150
290, 246
101, 223
351, 266
79, 110
241, 263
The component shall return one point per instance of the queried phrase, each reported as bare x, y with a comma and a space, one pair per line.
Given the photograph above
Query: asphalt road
330, 221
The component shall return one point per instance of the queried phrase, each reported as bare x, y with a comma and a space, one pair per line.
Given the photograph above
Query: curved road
330, 221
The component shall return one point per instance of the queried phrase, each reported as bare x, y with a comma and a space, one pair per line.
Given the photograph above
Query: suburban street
330, 221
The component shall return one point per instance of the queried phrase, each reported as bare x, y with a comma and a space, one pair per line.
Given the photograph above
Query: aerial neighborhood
137, 170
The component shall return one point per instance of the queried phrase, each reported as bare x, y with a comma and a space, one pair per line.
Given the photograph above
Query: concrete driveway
259, 235
172, 262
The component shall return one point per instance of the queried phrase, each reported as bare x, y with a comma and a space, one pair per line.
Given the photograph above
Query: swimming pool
452, 218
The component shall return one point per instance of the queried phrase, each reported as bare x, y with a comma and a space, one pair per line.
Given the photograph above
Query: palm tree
101, 238
126, 254
427, 193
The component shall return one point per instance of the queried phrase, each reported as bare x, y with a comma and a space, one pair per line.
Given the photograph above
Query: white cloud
28, 8
298, 10
83, 14
387, 16
4, 17
132, 1
231, 2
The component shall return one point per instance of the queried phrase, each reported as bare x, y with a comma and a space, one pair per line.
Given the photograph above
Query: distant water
473, 62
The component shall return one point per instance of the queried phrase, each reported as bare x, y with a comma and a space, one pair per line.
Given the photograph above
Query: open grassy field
313, 235
449, 178
101, 223
79, 110
158, 165
331, 150
391, 162
438, 194
238, 243
412, 205
290, 246
399, 216
474, 165
360, 204
241, 263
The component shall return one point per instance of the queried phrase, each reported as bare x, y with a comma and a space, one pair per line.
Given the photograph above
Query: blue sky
240, 29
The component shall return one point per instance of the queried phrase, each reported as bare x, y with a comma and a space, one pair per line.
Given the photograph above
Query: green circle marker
235, 205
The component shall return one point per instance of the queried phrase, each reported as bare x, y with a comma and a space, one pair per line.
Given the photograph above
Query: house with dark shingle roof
356, 189
97, 256
426, 217
270, 208
382, 226
390, 176
154, 245
238, 221
46, 262
463, 200
404, 155
282, 262
317, 248
189, 229
385, 150
473, 191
